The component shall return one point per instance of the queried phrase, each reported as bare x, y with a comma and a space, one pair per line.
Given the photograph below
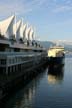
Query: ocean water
50, 89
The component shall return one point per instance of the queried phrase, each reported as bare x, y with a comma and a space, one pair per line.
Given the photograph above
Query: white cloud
68, 1
62, 9
7, 7
64, 5
19, 6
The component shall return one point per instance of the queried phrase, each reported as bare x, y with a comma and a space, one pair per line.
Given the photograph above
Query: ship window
3, 62
9, 61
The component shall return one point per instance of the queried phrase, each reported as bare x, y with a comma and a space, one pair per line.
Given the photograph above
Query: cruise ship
19, 51
56, 55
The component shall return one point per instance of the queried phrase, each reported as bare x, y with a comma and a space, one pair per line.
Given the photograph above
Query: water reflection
40, 94
55, 74
24, 97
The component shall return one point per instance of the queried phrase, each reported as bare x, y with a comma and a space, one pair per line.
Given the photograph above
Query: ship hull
56, 60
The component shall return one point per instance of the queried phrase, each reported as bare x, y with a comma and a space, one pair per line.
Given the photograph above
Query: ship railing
25, 46
4, 41
4, 55
17, 59
18, 53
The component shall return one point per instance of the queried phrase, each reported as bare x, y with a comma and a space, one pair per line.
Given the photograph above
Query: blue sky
51, 19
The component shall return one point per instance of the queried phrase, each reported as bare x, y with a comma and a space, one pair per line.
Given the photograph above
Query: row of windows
2, 61
18, 59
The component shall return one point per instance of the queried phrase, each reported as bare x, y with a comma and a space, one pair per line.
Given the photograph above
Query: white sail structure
31, 34
16, 30
6, 27
28, 33
23, 31
11, 29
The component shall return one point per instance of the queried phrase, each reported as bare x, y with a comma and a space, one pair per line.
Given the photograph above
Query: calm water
48, 90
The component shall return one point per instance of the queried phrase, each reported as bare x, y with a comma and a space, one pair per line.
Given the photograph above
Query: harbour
20, 54
35, 54
47, 90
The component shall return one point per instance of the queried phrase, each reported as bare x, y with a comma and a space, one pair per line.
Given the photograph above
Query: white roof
6, 26
28, 33
31, 34
23, 31
16, 29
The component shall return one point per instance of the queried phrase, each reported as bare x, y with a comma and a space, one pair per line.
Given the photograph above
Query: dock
20, 54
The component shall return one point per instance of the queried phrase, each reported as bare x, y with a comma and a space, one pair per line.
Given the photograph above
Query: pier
18, 75
18, 68
20, 55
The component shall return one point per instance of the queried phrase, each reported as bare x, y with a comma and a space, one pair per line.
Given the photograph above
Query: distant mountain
46, 44
68, 47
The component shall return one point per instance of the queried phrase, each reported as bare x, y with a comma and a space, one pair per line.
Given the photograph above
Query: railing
19, 53
5, 55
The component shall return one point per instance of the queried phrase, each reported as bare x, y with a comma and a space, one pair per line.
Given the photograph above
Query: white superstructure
56, 51
17, 48
6, 27
9, 28
23, 31
16, 29
31, 34
28, 33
